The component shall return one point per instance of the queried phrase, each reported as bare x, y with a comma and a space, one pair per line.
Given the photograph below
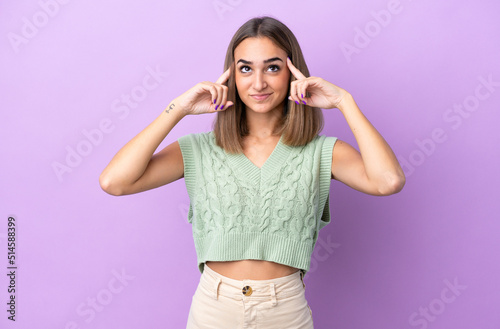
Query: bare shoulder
170, 160
348, 168
164, 168
344, 154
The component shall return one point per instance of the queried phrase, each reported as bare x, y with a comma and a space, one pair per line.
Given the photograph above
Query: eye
276, 66
242, 67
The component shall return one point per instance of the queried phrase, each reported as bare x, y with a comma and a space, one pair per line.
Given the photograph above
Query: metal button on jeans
247, 290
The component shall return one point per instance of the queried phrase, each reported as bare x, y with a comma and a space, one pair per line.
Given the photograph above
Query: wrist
345, 103
174, 109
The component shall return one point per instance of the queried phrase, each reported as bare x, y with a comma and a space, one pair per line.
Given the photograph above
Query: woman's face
260, 69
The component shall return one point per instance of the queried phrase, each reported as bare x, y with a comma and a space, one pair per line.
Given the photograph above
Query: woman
259, 182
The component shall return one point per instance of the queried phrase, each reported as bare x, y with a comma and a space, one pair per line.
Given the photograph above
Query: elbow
393, 183
398, 185
109, 186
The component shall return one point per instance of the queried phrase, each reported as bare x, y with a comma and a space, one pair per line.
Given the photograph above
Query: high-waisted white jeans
224, 303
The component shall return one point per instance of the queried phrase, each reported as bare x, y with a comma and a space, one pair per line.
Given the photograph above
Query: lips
260, 97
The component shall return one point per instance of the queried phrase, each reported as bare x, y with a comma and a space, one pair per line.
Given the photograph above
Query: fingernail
304, 102
221, 107
297, 103
216, 107
302, 95
215, 100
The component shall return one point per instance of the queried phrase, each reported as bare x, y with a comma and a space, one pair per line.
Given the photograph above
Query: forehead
257, 49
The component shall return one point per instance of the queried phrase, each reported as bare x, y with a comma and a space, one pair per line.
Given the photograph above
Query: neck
263, 125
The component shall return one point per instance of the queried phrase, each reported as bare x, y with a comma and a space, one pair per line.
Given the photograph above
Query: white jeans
224, 303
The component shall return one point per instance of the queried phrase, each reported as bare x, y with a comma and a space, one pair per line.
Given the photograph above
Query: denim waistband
277, 288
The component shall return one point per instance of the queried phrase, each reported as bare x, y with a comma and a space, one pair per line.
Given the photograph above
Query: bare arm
376, 170
134, 168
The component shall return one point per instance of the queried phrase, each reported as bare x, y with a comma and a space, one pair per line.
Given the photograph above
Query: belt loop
273, 293
216, 288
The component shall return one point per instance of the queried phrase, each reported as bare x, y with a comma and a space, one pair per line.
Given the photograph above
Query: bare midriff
251, 269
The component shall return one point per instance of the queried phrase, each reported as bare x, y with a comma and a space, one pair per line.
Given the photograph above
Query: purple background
381, 263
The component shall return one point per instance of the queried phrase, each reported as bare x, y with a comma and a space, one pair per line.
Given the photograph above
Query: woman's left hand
314, 91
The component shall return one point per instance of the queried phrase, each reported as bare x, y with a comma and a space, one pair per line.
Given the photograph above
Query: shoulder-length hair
299, 124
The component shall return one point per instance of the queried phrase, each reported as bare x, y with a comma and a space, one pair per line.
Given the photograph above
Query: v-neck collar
242, 164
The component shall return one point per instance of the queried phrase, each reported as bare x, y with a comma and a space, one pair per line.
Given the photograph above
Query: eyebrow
265, 61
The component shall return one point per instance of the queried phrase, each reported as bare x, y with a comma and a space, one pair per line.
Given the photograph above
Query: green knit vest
240, 211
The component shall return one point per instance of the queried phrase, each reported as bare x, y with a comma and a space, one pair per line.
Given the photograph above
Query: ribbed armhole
186, 144
325, 179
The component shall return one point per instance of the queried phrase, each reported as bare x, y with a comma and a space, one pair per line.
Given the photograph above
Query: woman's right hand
206, 96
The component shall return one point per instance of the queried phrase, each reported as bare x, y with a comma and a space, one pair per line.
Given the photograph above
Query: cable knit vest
240, 211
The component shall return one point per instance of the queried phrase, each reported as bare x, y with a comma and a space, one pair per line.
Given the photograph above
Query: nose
259, 82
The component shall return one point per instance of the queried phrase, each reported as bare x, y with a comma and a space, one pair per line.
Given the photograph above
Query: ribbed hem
253, 245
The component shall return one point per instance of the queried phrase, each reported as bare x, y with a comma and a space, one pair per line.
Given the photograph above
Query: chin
261, 108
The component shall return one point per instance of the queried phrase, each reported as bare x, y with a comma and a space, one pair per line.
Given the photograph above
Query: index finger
225, 76
295, 71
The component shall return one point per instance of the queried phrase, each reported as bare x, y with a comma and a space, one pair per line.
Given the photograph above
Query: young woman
259, 181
